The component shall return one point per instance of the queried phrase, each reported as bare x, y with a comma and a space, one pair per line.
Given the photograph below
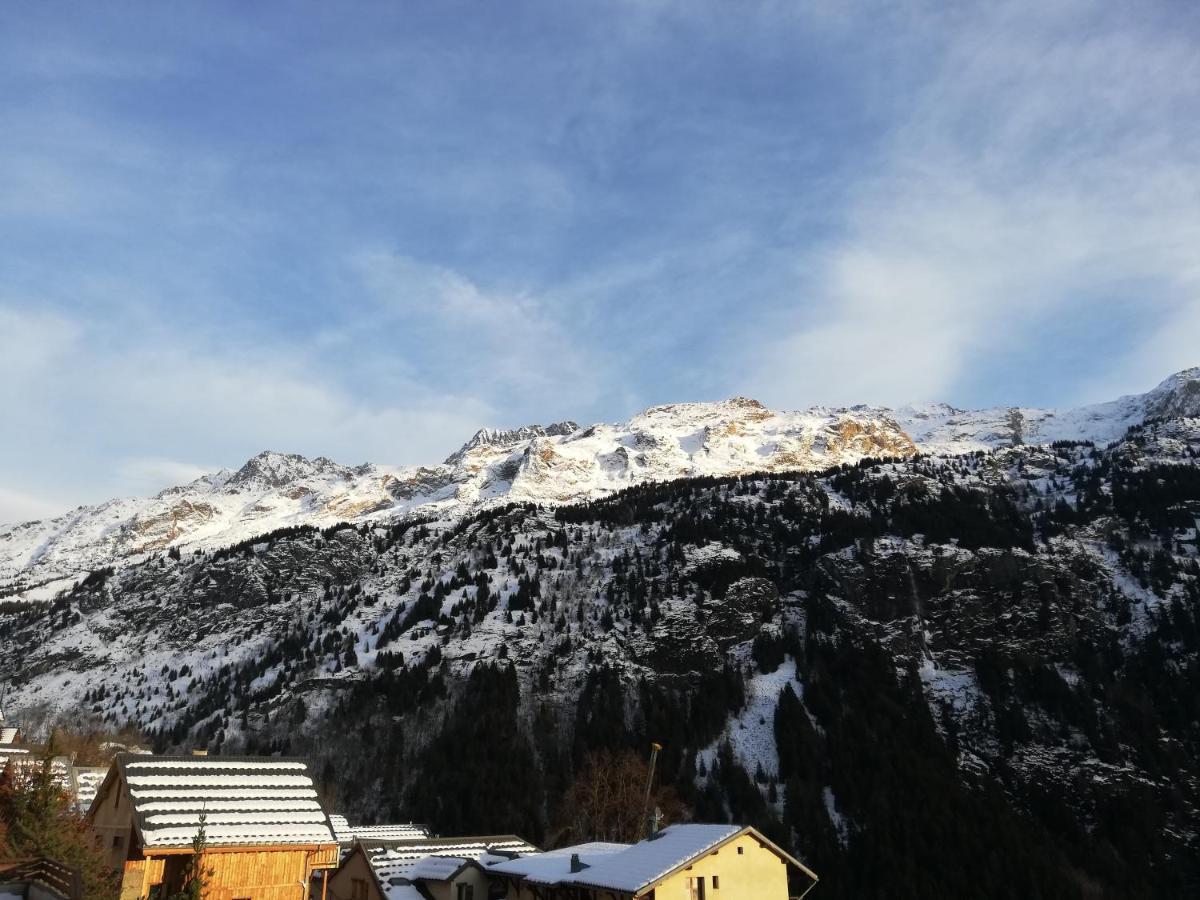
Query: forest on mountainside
937, 677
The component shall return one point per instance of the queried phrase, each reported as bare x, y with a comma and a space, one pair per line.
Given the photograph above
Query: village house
429, 868
266, 833
682, 862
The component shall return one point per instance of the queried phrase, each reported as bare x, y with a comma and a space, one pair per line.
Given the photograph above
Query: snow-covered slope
543, 464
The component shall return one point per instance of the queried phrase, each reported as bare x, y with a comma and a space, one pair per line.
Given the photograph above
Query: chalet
689, 862
266, 833
541, 876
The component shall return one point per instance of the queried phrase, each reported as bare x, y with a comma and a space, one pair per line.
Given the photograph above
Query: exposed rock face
854, 654
164, 528
740, 614
507, 438
551, 464
1177, 397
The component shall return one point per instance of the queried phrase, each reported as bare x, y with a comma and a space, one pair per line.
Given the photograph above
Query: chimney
199, 753
576, 865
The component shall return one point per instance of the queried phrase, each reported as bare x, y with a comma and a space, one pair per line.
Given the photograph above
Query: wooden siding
265, 873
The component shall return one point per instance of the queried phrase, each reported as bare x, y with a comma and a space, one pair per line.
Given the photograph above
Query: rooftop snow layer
244, 801
647, 861
437, 868
554, 866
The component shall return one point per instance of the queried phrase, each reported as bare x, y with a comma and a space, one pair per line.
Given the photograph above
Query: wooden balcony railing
51, 874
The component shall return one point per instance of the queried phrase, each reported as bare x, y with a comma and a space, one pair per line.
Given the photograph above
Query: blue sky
365, 229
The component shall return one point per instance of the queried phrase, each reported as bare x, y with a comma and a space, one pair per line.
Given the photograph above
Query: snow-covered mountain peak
500, 438
547, 464
271, 469
682, 414
1176, 397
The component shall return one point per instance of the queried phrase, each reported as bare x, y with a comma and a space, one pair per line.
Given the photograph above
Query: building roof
554, 866
245, 800
647, 861
21, 757
401, 832
341, 828
85, 782
9, 750
632, 869
397, 860
438, 868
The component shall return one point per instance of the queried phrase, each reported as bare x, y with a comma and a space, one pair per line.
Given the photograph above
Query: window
741, 850
466, 892
716, 882
118, 841
696, 888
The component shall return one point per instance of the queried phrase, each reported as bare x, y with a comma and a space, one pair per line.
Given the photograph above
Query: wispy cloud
511, 347
82, 387
1047, 167
364, 236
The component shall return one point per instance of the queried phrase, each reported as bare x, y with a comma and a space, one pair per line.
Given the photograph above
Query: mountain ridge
548, 464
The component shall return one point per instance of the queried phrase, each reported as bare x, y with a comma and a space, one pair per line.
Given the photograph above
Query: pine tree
195, 876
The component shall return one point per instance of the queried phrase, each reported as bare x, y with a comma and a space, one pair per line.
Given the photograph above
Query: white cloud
510, 346
18, 506
102, 411
1047, 165
146, 475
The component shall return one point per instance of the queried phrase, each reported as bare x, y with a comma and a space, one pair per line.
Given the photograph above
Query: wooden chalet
266, 832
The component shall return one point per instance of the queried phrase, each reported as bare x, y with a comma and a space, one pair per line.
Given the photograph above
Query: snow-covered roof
341, 828
407, 831
554, 866
647, 861
438, 868
8, 734
21, 758
85, 781
397, 860
262, 800
629, 868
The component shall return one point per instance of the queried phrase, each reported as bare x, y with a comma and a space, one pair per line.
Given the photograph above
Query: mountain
961, 646
972, 675
559, 463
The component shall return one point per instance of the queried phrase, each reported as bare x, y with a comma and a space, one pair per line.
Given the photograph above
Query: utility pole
650, 823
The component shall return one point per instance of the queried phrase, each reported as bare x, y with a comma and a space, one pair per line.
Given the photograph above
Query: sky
364, 230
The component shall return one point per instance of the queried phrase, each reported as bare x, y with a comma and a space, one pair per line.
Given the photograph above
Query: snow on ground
751, 733
956, 687
839, 821
737, 436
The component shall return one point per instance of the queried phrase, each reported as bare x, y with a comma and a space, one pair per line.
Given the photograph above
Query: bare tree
605, 802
